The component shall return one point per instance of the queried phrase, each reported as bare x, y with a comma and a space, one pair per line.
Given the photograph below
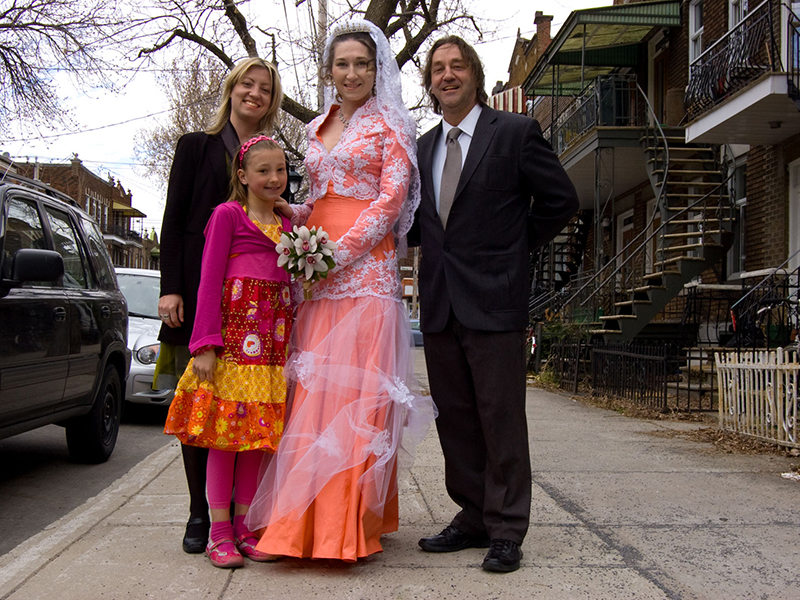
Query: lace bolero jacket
367, 164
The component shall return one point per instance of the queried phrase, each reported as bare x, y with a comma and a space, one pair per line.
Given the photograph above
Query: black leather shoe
452, 539
196, 536
503, 557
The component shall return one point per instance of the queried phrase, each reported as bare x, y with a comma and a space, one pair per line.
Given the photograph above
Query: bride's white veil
389, 95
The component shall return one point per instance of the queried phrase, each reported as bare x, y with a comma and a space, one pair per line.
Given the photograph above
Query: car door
88, 307
34, 325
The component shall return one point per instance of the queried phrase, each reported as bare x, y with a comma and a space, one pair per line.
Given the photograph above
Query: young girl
231, 398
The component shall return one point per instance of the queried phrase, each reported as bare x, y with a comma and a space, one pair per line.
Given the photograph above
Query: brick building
678, 123
107, 201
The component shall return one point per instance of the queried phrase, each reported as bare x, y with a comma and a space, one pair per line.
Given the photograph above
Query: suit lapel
484, 132
426, 161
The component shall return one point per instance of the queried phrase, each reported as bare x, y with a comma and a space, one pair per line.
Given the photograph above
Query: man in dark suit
476, 224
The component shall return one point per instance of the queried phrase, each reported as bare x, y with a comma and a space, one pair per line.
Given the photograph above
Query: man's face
453, 82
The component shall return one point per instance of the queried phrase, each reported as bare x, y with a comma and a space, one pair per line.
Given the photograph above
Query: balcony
739, 92
608, 113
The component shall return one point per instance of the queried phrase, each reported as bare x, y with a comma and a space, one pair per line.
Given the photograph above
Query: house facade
678, 123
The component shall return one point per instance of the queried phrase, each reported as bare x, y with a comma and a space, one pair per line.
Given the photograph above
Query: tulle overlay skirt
331, 489
243, 407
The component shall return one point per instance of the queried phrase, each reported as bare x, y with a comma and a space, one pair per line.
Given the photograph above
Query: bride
331, 489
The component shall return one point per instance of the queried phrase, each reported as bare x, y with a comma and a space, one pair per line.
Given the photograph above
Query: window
738, 191
100, 259
66, 243
695, 29
737, 10
23, 231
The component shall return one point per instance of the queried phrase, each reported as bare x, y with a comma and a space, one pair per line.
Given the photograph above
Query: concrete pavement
618, 512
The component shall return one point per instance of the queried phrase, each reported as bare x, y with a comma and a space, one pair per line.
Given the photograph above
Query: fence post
577, 365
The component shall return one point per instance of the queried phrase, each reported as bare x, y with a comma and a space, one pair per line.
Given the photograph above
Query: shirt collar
467, 124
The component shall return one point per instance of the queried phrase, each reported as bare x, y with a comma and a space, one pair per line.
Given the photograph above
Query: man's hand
170, 310
204, 365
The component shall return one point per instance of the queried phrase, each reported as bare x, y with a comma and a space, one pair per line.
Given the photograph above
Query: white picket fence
758, 394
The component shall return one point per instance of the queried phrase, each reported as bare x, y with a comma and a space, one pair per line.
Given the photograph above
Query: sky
108, 122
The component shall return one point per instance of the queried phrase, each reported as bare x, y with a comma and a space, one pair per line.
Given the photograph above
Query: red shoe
247, 546
223, 554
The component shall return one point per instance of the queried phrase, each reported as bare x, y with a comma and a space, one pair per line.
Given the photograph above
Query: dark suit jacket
479, 266
198, 181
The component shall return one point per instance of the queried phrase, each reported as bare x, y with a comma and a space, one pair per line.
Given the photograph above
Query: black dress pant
477, 381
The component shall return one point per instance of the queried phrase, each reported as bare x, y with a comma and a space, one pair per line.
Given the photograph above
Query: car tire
91, 438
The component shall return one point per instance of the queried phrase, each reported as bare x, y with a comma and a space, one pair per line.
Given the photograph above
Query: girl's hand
284, 208
204, 365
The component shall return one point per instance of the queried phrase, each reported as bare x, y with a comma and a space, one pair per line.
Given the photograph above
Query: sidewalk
617, 513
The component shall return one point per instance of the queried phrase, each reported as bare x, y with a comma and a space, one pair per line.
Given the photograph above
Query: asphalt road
39, 483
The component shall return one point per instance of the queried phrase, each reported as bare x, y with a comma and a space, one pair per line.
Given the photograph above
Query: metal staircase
555, 265
694, 233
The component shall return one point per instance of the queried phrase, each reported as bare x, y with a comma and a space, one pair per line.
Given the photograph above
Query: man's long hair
470, 57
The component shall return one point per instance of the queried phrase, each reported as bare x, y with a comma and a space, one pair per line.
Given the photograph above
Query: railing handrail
725, 37
782, 266
661, 193
643, 246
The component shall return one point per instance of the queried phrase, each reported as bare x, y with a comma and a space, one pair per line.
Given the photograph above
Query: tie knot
453, 134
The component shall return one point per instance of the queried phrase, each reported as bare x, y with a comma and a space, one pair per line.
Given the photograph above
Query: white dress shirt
467, 127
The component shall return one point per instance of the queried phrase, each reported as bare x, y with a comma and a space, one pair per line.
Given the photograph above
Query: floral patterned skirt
243, 407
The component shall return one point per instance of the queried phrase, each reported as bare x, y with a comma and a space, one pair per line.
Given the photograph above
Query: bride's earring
338, 97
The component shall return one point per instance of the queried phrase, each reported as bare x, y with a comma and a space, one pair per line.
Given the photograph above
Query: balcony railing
743, 55
608, 101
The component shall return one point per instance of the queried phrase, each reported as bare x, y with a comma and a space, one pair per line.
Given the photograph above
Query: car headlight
148, 355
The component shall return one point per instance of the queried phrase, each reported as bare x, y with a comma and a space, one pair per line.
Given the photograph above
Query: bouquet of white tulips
306, 253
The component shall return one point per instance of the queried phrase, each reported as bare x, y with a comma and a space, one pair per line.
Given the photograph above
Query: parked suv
63, 321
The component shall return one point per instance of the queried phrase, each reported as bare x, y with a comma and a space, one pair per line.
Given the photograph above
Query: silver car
141, 290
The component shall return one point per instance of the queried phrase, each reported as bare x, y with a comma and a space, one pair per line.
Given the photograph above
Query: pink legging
225, 466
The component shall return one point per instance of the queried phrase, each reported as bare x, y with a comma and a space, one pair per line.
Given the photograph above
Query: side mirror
36, 265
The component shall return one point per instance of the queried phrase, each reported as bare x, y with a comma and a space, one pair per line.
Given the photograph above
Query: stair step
646, 288
697, 222
685, 247
691, 234
631, 303
678, 149
616, 317
660, 274
687, 159
605, 331
698, 172
692, 196
672, 261
706, 184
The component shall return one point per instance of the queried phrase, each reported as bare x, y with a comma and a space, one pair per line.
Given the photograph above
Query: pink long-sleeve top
235, 247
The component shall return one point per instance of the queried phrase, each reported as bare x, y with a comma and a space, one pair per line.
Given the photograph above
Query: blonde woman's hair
243, 154
234, 77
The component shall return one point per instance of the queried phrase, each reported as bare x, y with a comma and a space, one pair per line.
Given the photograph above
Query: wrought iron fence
634, 372
759, 394
570, 361
609, 100
744, 54
768, 315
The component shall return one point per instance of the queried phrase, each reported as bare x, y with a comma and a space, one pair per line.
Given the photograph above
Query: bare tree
41, 37
193, 92
220, 28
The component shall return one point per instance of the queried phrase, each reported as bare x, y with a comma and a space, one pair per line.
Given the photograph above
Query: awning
126, 210
594, 42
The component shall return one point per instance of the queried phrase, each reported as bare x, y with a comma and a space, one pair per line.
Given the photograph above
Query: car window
141, 292
101, 261
65, 241
23, 231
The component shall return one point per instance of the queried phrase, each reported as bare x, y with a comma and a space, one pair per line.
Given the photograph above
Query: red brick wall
767, 208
